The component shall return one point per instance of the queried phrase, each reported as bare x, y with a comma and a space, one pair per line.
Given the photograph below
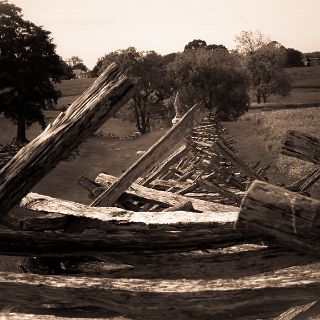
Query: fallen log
97, 104
116, 240
169, 199
155, 154
302, 146
42, 203
250, 297
288, 217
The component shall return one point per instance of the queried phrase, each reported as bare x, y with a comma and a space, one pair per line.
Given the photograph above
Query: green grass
273, 125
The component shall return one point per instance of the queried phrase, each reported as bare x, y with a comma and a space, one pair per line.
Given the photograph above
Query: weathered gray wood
155, 154
119, 241
302, 146
164, 165
169, 198
297, 312
48, 204
290, 218
223, 296
236, 161
24, 316
100, 102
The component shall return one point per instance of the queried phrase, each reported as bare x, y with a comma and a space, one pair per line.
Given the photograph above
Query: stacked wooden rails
159, 242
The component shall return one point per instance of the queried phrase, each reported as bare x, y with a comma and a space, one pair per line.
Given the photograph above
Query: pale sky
91, 28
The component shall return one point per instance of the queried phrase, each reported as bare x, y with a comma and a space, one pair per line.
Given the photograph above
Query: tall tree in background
28, 65
76, 63
265, 61
211, 75
148, 71
294, 58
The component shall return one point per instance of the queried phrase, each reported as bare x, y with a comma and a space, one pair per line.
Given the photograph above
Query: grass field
272, 126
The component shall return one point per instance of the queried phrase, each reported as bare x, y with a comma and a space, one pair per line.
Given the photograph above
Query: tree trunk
97, 104
21, 129
258, 98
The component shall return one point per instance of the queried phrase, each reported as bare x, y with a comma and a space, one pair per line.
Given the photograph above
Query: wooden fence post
97, 104
290, 218
154, 155
302, 146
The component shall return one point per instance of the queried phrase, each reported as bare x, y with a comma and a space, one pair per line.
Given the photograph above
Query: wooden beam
302, 146
298, 312
155, 154
164, 165
222, 296
290, 218
97, 104
42, 203
168, 198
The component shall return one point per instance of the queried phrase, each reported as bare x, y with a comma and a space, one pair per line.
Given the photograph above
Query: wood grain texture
154, 155
100, 102
169, 198
221, 287
290, 218
302, 146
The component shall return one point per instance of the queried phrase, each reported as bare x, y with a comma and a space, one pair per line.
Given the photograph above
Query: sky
92, 28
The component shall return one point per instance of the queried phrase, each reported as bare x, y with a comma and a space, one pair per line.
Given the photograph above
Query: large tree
294, 58
148, 71
28, 65
265, 61
214, 76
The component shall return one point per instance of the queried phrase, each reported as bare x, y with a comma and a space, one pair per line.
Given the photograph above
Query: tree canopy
148, 71
28, 65
213, 77
265, 61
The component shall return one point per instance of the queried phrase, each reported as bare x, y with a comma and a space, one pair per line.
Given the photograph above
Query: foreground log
261, 295
119, 241
100, 102
107, 215
290, 218
302, 146
168, 199
154, 155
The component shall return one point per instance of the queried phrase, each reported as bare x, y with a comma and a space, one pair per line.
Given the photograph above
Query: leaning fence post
154, 155
97, 104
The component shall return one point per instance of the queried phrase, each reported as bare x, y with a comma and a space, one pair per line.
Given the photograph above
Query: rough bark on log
155, 154
169, 198
97, 104
302, 146
290, 218
250, 297
119, 241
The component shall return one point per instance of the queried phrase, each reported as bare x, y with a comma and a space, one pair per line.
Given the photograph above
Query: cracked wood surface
290, 218
169, 198
242, 282
302, 146
97, 104
154, 155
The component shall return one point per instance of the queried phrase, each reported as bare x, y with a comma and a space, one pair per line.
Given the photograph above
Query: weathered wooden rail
174, 244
